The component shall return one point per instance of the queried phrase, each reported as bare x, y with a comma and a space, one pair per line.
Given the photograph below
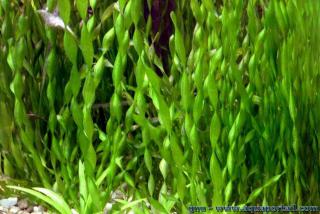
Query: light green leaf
95, 195
56, 197
164, 114
259, 190
86, 46
158, 206
212, 90
64, 10
107, 40
82, 185
177, 152
87, 123
178, 39
129, 180
148, 160
70, 47
215, 129
130, 204
151, 184
98, 71
228, 191
164, 168
82, 6
59, 205
181, 185
75, 80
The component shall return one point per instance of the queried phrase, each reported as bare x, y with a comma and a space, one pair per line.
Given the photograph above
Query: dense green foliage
228, 113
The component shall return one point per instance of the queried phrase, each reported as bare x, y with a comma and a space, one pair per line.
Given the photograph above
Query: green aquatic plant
185, 102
